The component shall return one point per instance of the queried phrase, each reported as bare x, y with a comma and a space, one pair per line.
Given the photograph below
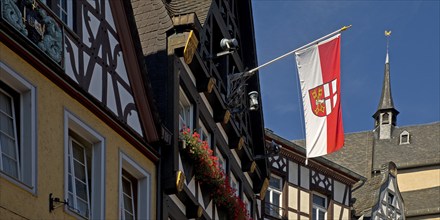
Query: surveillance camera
229, 44
253, 100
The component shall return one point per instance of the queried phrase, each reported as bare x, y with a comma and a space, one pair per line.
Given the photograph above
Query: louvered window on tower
385, 118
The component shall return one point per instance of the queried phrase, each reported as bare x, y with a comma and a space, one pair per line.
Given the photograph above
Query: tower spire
385, 116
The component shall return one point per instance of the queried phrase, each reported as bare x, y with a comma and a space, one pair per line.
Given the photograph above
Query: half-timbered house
319, 189
198, 85
78, 133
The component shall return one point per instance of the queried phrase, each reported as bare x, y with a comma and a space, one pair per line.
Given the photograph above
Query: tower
386, 115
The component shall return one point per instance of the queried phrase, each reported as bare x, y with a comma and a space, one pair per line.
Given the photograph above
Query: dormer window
404, 137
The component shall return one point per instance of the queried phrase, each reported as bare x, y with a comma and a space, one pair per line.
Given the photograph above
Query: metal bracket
53, 200
272, 149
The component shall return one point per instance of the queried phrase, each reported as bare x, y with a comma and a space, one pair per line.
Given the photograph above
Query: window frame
188, 107
14, 138
318, 207
72, 172
204, 134
132, 197
144, 185
385, 118
248, 204
269, 194
72, 124
27, 129
58, 9
406, 135
233, 180
222, 161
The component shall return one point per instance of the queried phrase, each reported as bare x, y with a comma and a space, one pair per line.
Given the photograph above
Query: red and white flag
319, 74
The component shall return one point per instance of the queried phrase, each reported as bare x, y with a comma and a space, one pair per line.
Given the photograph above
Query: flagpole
252, 71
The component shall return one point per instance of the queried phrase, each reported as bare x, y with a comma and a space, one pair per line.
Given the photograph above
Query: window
185, 112
273, 197
9, 161
235, 184
78, 175
319, 207
204, 134
391, 206
385, 118
134, 189
129, 196
84, 164
17, 129
404, 137
63, 9
221, 160
247, 204
390, 198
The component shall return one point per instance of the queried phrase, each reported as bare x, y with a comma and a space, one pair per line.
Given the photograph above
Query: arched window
385, 118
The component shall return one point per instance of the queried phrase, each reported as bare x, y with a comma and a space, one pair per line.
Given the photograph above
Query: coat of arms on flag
323, 98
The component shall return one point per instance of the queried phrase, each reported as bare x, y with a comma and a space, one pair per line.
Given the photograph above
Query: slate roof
386, 99
367, 196
152, 21
422, 202
423, 149
357, 154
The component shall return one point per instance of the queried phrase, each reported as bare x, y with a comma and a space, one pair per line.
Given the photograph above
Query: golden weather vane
387, 34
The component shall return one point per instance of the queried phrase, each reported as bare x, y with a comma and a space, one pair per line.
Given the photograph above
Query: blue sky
282, 26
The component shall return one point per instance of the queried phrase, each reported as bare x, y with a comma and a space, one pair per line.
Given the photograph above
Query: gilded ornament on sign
211, 84
240, 143
190, 47
264, 188
253, 167
180, 180
226, 117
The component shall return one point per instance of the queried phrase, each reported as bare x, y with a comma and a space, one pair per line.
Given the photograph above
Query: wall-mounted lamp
228, 46
55, 201
253, 100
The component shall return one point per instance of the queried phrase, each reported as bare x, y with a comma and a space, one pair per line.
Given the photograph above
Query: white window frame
235, 184
221, 160
131, 196
188, 108
67, 11
271, 190
204, 134
14, 137
143, 208
319, 207
28, 129
71, 164
97, 195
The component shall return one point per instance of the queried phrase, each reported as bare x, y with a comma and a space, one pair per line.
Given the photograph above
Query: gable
101, 59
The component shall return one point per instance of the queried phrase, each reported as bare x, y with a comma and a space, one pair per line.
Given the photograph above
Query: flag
319, 74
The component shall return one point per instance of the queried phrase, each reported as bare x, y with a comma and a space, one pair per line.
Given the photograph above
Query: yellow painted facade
16, 202
411, 180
